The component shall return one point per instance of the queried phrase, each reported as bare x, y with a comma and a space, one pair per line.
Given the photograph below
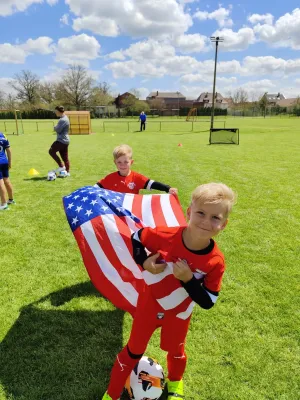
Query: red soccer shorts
148, 317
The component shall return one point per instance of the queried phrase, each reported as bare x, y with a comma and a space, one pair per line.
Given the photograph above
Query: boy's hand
182, 271
173, 191
9, 166
150, 265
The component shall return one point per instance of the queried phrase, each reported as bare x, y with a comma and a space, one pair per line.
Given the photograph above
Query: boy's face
123, 164
207, 220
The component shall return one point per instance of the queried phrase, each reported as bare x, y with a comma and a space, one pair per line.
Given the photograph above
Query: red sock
176, 365
122, 368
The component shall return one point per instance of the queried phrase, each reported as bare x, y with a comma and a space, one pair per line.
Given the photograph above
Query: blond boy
186, 267
124, 180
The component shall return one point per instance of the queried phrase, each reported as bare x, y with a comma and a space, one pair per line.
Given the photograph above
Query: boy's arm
150, 184
8, 152
200, 294
141, 257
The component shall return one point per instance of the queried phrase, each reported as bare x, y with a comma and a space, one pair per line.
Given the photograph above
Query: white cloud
284, 33
192, 78
65, 19
41, 45
100, 26
257, 18
194, 43
132, 68
116, 55
5, 86
57, 73
221, 15
9, 7
235, 41
12, 54
264, 65
136, 18
77, 49
143, 92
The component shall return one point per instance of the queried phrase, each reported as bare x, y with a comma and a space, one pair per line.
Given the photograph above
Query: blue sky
155, 44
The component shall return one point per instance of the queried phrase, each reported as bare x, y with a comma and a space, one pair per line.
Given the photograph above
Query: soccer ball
51, 176
62, 174
146, 381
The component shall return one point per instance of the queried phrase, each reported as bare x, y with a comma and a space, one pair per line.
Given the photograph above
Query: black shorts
4, 171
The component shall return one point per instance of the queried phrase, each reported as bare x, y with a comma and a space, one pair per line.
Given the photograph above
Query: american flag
102, 222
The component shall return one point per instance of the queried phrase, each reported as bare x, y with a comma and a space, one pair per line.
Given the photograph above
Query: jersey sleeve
150, 239
213, 279
141, 181
6, 144
106, 182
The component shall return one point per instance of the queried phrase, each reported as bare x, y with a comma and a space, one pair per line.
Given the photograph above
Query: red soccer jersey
208, 265
132, 183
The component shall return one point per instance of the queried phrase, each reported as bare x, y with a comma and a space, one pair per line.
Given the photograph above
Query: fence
34, 125
161, 126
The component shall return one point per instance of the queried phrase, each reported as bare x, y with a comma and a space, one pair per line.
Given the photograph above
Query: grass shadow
36, 178
54, 353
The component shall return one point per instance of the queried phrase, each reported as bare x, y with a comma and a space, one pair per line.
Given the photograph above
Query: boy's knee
134, 355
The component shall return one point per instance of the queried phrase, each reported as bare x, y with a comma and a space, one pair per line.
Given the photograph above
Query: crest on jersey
131, 185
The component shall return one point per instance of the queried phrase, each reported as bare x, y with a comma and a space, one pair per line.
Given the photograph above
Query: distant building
205, 100
274, 98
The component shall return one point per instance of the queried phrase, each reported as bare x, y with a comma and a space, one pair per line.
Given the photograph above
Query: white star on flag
75, 220
89, 212
70, 206
79, 208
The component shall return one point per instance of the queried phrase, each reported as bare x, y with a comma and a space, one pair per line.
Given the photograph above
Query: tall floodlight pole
214, 40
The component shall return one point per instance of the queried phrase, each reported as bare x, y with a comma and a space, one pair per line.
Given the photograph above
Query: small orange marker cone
179, 144
33, 172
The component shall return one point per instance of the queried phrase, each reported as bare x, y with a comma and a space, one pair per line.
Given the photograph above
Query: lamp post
214, 40
178, 102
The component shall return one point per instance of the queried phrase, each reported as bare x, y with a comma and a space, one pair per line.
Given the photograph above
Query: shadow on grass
52, 353
36, 178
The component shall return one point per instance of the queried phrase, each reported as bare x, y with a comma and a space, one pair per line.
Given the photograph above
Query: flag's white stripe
151, 279
127, 202
147, 216
169, 215
132, 225
174, 299
185, 314
125, 288
119, 245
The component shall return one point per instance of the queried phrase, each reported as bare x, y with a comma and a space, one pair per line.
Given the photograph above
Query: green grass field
59, 337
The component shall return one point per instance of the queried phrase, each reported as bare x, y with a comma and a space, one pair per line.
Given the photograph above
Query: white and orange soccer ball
146, 381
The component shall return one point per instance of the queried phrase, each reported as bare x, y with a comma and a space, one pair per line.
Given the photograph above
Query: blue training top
4, 144
143, 117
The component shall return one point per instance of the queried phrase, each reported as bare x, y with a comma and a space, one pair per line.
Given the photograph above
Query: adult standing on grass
5, 165
143, 118
61, 145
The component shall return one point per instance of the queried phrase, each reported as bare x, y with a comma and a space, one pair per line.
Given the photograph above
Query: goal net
224, 136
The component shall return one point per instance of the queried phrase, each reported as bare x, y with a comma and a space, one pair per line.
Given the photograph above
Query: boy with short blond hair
127, 181
185, 267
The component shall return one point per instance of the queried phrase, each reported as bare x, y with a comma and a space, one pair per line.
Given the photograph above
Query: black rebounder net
224, 136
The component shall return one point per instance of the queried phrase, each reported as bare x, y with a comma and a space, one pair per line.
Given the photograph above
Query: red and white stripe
105, 245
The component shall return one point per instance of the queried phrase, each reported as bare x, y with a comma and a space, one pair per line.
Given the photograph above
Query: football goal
224, 136
11, 122
80, 122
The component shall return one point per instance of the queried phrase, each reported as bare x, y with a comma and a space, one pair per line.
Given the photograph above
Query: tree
10, 102
75, 88
26, 84
140, 106
100, 95
157, 104
263, 102
129, 103
47, 92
